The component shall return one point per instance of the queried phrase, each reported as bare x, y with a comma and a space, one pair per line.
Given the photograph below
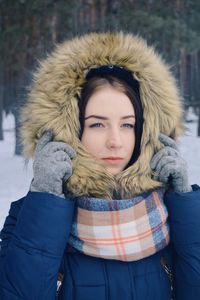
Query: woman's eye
128, 125
96, 125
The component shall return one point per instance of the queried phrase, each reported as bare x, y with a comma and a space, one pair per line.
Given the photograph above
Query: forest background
30, 29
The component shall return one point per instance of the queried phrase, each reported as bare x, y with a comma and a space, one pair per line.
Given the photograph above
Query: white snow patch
15, 176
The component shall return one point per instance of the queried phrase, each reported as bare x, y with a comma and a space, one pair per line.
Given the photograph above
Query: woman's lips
113, 160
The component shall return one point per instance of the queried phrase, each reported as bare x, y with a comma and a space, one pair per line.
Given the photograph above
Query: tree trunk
15, 111
1, 105
18, 144
1, 115
20, 94
198, 129
183, 71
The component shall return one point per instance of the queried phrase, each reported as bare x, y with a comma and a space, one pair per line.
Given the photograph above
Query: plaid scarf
126, 230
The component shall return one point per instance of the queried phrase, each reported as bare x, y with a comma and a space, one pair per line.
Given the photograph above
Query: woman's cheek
91, 142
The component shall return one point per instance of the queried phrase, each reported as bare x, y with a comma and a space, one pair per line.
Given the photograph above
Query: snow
15, 175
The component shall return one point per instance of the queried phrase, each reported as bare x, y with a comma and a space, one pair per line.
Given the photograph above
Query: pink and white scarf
126, 230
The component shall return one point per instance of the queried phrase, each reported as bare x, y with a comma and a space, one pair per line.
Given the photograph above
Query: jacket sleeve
34, 237
184, 220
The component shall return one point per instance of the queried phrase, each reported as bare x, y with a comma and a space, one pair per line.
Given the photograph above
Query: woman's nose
114, 139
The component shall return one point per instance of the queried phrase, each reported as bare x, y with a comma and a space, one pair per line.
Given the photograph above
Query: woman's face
109, 128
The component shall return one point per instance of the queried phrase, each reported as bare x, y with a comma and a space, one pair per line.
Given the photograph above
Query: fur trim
52, 104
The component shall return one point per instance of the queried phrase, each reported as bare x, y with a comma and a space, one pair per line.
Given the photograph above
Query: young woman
110, 211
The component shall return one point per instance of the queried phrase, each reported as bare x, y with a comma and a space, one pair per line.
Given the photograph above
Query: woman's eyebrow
96, 117
105, 118
127, 117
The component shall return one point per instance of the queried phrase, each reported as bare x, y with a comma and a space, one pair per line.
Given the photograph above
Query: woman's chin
113, 171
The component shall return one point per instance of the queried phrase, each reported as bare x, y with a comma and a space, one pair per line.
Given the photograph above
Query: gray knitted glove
52, 165
169, 166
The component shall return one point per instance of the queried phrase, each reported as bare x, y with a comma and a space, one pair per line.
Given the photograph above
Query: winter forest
29, 30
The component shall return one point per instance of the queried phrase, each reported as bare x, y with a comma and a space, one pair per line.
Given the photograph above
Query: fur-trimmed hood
53, 104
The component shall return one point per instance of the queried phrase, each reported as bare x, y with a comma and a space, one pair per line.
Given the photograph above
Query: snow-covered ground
15, 176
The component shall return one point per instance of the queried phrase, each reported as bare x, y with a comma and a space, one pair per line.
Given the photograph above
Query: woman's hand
169, 166
52, 165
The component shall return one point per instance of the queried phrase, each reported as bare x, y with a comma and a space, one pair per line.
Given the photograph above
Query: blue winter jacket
33, 252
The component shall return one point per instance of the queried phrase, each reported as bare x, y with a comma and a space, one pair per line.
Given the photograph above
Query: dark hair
97, 83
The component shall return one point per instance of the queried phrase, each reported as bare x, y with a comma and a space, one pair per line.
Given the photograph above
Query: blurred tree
1, 102
30, 29
1, 111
